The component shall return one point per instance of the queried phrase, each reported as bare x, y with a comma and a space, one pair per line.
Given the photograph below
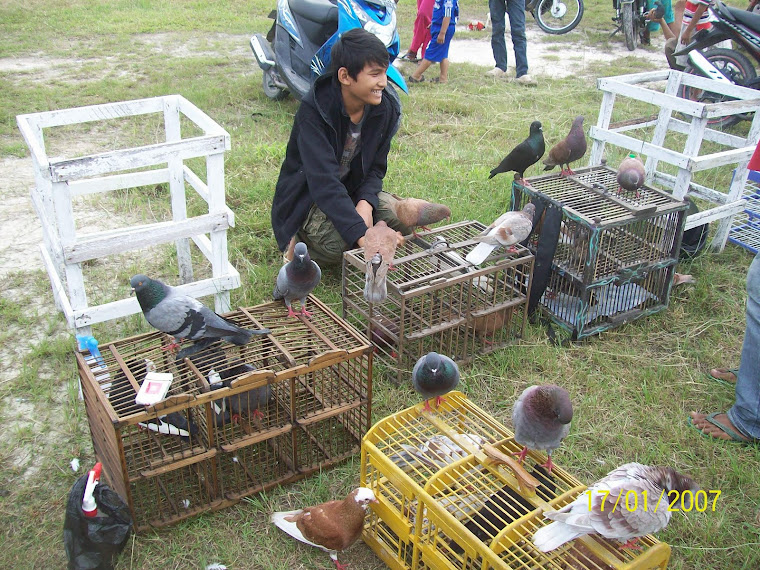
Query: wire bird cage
745, 229
439, 301
445, 504
290, 403
615, 252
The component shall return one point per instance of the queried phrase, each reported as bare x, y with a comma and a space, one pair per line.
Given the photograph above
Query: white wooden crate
739, 149
59, 179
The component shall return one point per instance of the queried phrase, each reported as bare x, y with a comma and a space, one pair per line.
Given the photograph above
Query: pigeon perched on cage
418, 213
541, 417
631, 174
524, 155
185, 317
508, 229
296, 279
380, 243
332, 526
599, 510
433, 376
569, 149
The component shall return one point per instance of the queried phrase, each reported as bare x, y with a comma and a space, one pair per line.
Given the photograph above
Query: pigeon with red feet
332, 526
604, 512
541, 417
417, 213
524, 155
296, 279
508, 229
433, 376
569, 149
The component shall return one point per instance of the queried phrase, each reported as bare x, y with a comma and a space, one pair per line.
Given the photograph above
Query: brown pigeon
604, 512
569, 149
541, 417
417, 213
487, 325
631, 174
379, 248
508, 229
332, 526
384, 334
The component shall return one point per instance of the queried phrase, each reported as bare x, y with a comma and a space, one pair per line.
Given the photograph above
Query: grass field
632, 387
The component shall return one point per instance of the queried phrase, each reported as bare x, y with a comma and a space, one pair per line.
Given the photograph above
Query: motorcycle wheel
271, 89
734, 65
558, 17
629, 25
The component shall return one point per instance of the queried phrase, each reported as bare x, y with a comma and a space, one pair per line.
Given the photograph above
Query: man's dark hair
355, 49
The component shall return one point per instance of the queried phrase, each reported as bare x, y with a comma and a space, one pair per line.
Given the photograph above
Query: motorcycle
741, 27
629, 17
555, 16
296, 49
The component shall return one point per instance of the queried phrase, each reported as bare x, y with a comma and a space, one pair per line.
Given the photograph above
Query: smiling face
366, 88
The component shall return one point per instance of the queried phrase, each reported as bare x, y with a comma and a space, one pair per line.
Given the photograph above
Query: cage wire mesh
745, 228
615, 254
439, 301
236, 420
445, 505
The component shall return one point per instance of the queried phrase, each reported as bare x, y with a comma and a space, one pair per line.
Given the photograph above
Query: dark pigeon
247, 403
569, 149
524, 155
541, 418
297, 279
184, 317
433, 376
631, 174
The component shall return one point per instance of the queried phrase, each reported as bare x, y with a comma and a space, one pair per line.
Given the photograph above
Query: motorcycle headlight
384, 33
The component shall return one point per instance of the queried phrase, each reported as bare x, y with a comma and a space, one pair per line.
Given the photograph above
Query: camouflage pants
325, 244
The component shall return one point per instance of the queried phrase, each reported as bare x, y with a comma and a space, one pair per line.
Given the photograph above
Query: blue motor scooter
297, 48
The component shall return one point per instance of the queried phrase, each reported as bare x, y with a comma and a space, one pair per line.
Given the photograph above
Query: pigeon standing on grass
380, 243
569, 149
332, 526
631, 174
508, 229
541, 417
417, 213
297, 279
433, 376
605, 514
185, 317
524, 155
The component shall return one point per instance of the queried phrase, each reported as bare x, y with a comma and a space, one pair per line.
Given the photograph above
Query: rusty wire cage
616, 253
439, 301
290, 403
445, 504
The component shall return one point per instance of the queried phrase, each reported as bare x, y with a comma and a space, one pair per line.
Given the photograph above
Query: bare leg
421, 68
444, 71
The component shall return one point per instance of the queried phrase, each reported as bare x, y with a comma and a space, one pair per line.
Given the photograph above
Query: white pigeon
606, 513
510, 228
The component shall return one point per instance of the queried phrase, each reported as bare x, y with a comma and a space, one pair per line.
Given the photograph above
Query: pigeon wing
178, 315
321, 526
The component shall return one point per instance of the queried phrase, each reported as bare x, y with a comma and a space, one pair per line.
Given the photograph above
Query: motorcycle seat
319, 11
752, 21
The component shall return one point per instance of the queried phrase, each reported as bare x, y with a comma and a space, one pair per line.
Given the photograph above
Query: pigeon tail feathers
280, 520
554, 535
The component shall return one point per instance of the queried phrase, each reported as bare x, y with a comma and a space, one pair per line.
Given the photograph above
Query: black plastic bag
92, 543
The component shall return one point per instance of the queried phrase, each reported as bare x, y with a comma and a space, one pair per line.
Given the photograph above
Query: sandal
735, 436
726, 376
436, 80
411, 79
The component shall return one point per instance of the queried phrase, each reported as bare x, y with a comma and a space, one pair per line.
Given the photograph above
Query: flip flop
411, 79
733, 434
724, 371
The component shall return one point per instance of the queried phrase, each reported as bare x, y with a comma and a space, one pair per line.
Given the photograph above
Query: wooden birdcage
438, 301
615, 253
291, 402
446, 504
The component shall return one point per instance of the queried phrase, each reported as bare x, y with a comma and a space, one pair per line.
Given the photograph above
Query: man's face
368, 85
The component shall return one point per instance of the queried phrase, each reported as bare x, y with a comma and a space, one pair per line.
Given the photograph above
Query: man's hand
364, 209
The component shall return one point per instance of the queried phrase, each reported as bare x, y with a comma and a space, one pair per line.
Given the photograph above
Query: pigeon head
301, 253
433, 362
376, 261
149, 292
529, 210
363, 497
578, 121
669, 480
535, 127
553, 402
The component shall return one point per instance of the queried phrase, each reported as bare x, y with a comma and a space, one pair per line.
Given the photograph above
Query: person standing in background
421, 33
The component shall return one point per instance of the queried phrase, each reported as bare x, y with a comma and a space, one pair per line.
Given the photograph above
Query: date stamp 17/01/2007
685, 501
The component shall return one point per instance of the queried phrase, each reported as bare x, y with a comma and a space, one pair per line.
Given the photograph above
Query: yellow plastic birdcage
446, 500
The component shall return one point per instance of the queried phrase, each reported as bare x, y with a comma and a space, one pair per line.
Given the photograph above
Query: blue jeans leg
516, 12
498, 10
745, 414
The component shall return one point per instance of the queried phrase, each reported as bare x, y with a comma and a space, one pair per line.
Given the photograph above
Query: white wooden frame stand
58, 180
688, 161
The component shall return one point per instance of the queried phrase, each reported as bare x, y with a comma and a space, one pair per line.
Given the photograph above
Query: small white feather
74, 465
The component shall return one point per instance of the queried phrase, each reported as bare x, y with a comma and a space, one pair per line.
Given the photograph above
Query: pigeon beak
132, 291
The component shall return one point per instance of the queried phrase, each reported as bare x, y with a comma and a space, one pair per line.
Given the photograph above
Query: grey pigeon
417, 213
433, 376
569, 149
380, 243
185, 317
524, 155
297, 279
245, 404
508, 229
541, 417
606, 514
631, 174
